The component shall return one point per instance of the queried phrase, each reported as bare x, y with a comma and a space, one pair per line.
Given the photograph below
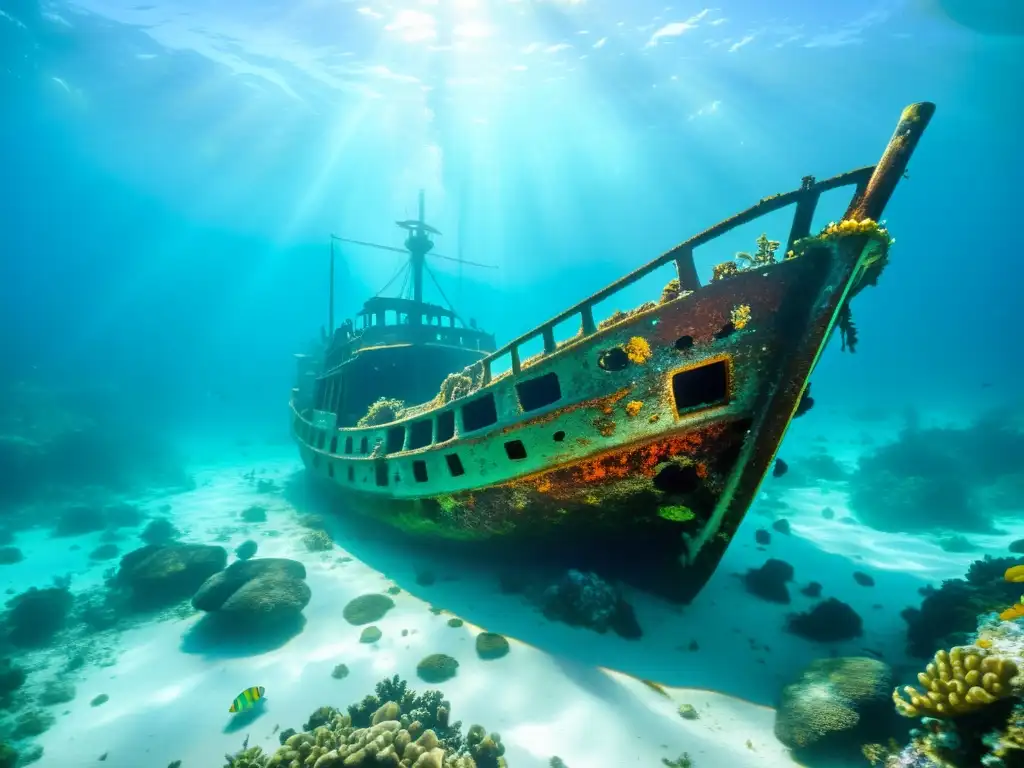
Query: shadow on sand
216, 636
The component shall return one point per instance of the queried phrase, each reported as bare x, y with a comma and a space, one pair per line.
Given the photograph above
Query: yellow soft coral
740, 316
1013, 612
1015, 574
957, 682
724, 270
633, 407
638, 350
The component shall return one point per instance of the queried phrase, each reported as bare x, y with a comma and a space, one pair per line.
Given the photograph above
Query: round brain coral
436, 668
491, 646
367, 608
834, 705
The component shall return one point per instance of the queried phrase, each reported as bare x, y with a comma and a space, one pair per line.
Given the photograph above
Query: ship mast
418, 245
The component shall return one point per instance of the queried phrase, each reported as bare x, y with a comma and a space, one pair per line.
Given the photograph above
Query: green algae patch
676, 513
366, 609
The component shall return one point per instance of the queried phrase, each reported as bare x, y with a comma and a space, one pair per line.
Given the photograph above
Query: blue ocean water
170, 176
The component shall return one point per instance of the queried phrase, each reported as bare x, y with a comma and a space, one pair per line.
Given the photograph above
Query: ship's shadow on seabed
645, 561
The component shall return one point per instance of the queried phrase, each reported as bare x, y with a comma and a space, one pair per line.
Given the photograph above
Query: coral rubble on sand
393, 727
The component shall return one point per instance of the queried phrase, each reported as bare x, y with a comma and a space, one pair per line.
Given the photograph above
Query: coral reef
948, 615
395, 727
971, 713
367, 608
941, 478
829, 621
36, 615
318, 541
10, 555
55, 441
959, 681
834, 706
158, 575
585, 600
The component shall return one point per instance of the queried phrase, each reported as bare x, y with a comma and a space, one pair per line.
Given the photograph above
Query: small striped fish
247, 699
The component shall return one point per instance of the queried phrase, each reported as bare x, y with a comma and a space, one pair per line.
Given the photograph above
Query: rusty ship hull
657, 427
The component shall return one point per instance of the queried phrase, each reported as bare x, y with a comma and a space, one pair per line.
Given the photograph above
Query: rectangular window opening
381, 472
445, 426
348, 444
479, 413
455, 464
538, 392
515, 450
701, 387
395, 439
351, 473
334, 446
419, 471
421, 433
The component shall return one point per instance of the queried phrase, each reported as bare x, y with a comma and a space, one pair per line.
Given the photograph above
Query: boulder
158, 575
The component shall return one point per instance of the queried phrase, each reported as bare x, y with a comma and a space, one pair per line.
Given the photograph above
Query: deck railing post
686, 271
803, 216
549, 340
516, 366
587, 320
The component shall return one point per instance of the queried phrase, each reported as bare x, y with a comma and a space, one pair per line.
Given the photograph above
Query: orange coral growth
633, 407
1015, 574
638, 350
1013, 612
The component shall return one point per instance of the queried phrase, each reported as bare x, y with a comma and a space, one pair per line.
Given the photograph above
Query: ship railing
682, 256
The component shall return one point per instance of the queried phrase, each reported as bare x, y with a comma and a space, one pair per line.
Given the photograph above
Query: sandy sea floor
560, 691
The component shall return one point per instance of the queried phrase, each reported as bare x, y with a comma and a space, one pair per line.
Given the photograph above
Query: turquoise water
170, 174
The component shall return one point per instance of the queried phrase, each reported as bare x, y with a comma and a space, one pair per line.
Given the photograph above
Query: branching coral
765, 254
404, 730
956, 683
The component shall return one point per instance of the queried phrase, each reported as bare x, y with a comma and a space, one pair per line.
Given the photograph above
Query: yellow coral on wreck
638, 350
740, 316
633, 407
724, 270
959, 681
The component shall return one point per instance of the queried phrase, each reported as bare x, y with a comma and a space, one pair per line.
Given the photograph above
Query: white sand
554, 694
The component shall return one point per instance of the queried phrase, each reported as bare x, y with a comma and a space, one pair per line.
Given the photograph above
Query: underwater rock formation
950, 613
158, 575
586, 600
833, 707
36, 615
490, 646
263, 592
395, 727
829, 621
